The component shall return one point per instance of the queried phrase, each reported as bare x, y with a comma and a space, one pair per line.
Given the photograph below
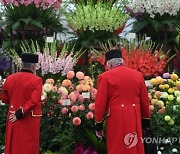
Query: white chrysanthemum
177, 93
43, 95
63, 90
47, 87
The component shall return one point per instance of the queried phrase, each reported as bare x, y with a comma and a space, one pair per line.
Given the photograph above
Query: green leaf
27, 20
16, 25
139, 25
37, 23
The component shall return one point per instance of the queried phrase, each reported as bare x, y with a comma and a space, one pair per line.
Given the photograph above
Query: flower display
44, 4
69, 105
99, 16
153, 7
141, 57
50, 60
148, 63
157, 19
164, 98
70, 100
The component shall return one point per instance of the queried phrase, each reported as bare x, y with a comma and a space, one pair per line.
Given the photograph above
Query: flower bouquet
156, 13
96, 22
157, 18
141, 56
68, 109
52, 63
164, 96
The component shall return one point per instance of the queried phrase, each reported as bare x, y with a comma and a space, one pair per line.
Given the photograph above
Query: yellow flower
165, 95
171, 122
177, 83
159, 80
167, 118
161, 86
89, 82
170, 90
160, 104
170, 97
174, 76
175, 88
153, 81
166, 86
170, 81
86, 88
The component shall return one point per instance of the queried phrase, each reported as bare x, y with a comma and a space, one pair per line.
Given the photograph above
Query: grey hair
115, 62
29, 66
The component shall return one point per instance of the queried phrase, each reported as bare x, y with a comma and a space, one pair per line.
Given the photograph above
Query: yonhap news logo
132, 139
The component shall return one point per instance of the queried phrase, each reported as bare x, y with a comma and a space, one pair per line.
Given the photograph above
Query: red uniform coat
122, 95
23, 89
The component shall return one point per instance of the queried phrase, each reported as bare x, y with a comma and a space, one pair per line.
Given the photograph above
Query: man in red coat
122, 97
22, 91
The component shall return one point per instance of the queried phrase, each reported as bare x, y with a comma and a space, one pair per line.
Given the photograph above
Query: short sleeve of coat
101, 98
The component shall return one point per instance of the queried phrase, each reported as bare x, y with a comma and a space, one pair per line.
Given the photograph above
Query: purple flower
166, 75
79, 149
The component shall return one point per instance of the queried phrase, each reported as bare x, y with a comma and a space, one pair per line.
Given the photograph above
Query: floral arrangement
44, 4
29, 19
69, 105
95, 22
95, 17
147, 62
73, 96
50, 60
156, 18
141, 56
164, 96
155, 7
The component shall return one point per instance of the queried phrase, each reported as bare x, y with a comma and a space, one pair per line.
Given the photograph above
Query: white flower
47, 87
153, 7
174, 150
159, 152
43, 95
63, 90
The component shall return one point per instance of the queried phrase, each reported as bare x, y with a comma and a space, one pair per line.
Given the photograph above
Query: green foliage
58, 133
100, 145
29, 23
165, 116
95, 17
96, 22
3, 111
161, 29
